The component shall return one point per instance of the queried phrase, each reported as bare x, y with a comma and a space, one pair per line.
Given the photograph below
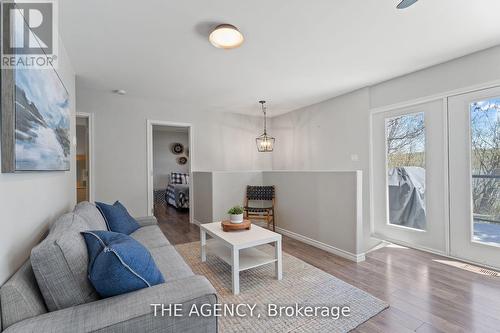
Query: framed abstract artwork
36, 119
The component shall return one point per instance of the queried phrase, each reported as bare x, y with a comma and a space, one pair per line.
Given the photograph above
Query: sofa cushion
146, 220
119, 264
170, 263
151, 237
20, 297
60, 264
89, 212
117, 218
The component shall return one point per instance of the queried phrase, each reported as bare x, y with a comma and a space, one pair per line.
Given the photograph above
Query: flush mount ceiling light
406, 3
226, 36
119, 92
265, 143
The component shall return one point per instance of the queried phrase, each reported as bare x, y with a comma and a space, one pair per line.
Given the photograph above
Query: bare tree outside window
406, 141
405, 136
485, 155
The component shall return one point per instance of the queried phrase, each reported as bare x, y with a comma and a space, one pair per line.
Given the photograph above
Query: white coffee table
237, 248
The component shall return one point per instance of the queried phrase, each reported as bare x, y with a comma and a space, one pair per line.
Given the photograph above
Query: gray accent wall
30, 201
322, 208
202, 207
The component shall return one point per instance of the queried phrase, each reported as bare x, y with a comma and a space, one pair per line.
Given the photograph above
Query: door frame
149, 170
391, 232
470, 245
90, 119
444, 96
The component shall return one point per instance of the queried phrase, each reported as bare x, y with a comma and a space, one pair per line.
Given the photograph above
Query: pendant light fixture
265, 143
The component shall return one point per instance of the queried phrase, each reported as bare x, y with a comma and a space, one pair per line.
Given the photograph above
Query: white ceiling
296, 52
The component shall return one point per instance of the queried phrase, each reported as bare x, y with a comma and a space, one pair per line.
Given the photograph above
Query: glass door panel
474, 152
485, 168
405, 137
409, 179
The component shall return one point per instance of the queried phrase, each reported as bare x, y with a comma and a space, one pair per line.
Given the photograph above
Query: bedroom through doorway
169, 173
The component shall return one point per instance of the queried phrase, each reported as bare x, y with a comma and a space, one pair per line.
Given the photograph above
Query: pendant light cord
265, 120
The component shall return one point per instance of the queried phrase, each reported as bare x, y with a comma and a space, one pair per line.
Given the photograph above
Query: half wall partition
321, 208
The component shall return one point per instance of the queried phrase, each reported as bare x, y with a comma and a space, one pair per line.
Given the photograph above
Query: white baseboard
320, 245
195, 221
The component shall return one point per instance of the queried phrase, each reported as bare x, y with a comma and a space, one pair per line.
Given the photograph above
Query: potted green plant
236, 214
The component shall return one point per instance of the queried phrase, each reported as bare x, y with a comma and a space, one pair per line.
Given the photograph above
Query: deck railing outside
481, 217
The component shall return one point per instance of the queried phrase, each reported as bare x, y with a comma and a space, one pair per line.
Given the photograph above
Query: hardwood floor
424, 295
175, 224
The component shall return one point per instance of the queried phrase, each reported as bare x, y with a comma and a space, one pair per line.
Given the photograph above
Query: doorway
169, 171
474, 122
409, 176
84, 175
435, 176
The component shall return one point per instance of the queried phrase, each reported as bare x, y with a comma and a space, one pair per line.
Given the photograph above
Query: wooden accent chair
260, 193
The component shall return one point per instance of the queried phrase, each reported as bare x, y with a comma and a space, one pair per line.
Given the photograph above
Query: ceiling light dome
226, 36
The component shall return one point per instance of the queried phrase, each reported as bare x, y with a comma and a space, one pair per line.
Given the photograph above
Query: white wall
164, 161
221, 141
477, 68
326, 135
331, 135
29, 202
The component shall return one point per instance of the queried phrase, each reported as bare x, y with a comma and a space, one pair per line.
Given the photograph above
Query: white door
474, 147
409, 180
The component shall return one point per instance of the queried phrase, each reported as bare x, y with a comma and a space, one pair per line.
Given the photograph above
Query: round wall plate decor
182, 160
177, 148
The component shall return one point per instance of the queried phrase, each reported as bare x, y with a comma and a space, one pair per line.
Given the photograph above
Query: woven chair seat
258, 209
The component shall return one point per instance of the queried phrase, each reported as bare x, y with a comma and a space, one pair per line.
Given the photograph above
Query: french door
409, 176
474, 157
436, 176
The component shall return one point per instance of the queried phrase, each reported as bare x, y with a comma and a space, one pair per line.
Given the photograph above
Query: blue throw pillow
119, 264
117, 218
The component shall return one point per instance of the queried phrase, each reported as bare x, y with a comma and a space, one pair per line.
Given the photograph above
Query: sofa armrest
146, 220
132, 312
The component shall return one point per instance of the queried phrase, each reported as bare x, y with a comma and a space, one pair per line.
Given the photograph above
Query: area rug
302, 284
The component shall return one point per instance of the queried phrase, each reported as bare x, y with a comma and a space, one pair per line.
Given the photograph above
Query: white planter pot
237, 218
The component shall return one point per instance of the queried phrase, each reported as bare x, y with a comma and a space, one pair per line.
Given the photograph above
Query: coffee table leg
235, 256
203, 242
278, 265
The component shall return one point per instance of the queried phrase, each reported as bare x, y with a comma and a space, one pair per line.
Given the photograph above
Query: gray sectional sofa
51, 292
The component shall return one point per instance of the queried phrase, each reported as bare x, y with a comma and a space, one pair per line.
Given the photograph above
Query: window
405, 138
485, 167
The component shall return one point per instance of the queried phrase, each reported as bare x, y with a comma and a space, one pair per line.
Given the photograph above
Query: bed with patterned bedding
177, 195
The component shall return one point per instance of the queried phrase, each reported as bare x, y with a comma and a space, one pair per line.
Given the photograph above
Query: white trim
149, 169
195, 221
439, 253
320, 245
435, 97
409, 245
446, 158
371, 175
90, 117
